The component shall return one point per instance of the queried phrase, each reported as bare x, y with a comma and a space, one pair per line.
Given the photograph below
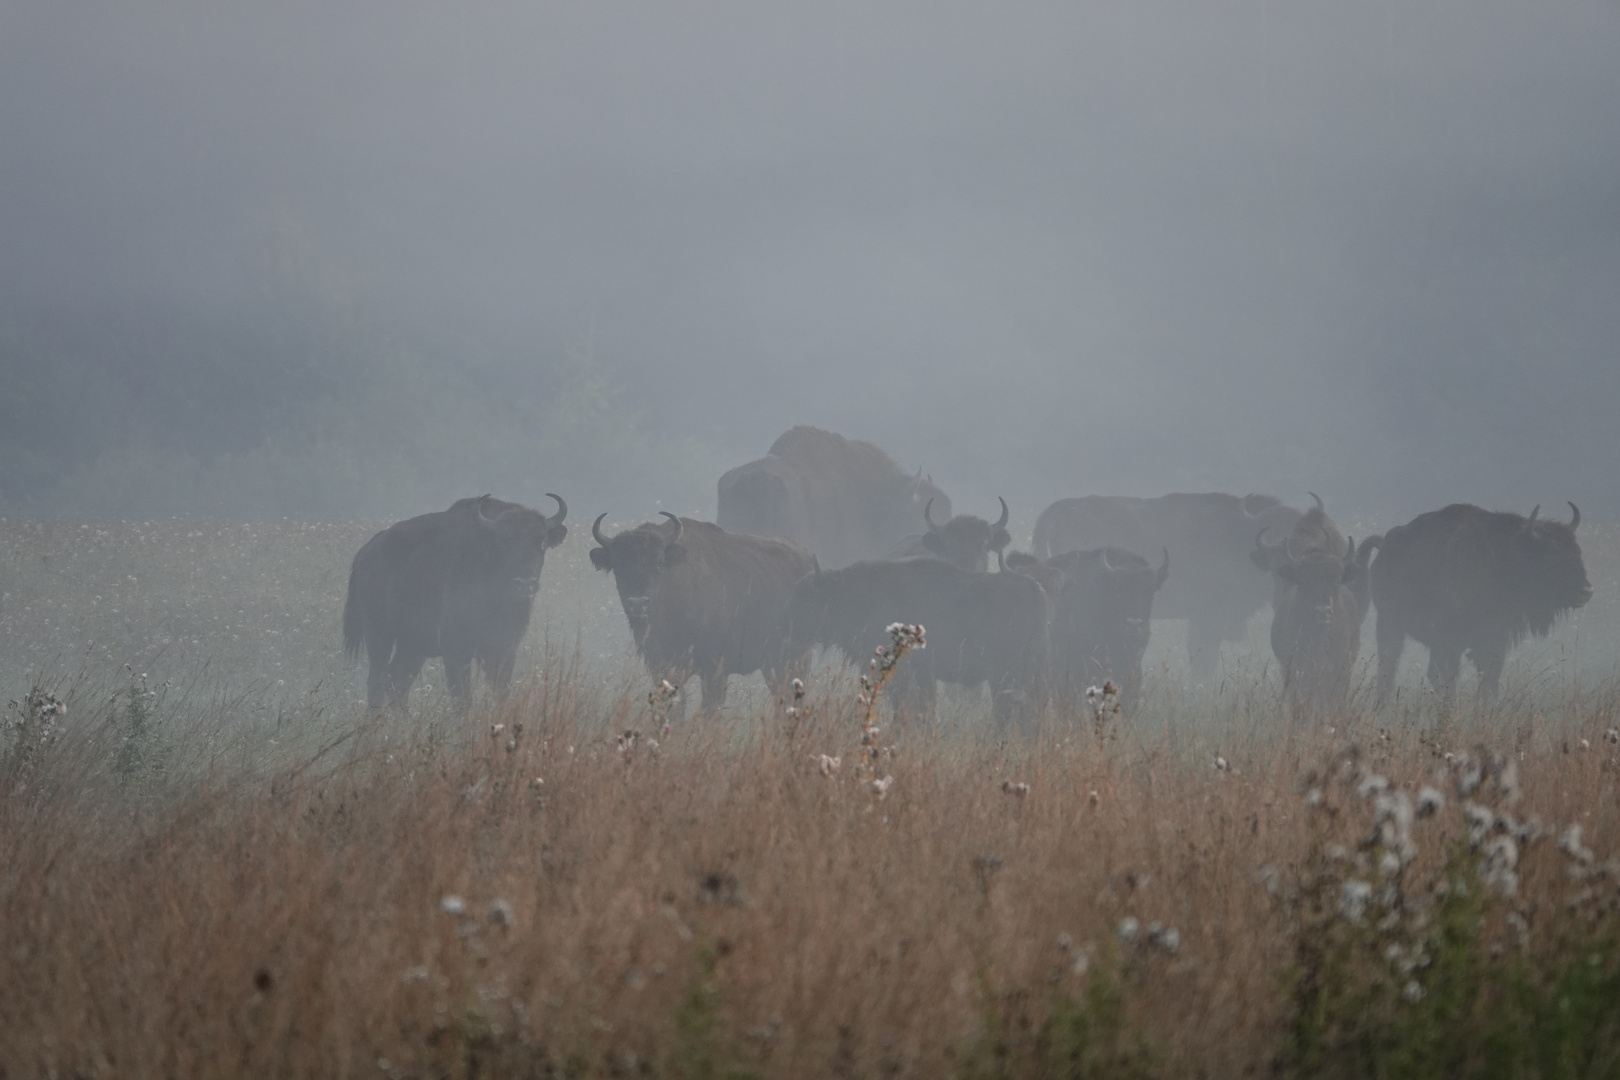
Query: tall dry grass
527, 891
227, 868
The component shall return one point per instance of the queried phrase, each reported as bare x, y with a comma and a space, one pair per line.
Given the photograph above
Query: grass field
215, 863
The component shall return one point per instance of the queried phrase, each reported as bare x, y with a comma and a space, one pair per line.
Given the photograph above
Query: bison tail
353, 632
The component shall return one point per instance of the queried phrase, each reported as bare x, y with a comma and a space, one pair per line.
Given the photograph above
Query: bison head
637, 559
1554, 577
520, 536
966, 541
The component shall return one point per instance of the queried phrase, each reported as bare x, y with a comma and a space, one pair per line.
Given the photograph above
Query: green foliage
1084, 1037
139, 755
1470, 1010
700, 1051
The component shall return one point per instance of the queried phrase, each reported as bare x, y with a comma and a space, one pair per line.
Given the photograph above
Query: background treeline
301, 395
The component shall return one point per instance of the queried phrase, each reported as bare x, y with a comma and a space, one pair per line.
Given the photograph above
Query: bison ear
674, 554
601, 558
556, 535
931, 542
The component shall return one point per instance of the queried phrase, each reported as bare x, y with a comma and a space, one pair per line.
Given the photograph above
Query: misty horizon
1120, 248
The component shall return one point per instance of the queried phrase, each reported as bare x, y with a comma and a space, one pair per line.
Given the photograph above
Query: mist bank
1114, 247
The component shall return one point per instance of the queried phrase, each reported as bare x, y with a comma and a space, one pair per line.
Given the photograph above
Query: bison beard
701, 600
459, 583
1463, 580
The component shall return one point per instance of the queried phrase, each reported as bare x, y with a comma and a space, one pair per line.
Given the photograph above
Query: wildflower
1268, 878
500, 913
1166, 938
1507, 779
1314, 797
1221, 764
1128, 930
1372, 785
1480, 823
1613, 735
1011, 788
827, 765
1586, 744
537, 782
1429, 802
1469, 775
1413, 993
1093, 798
1389, 863
1569, 842
1353, 898
453, 905
881, 787
1500, 867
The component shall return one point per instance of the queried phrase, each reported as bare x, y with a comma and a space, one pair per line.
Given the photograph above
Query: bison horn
1001, 563
928, 515
1319, 507
1574, 522
562, 509
1108, 566
1001, 522
596, 530
1260, 539
1244, 504
676, 522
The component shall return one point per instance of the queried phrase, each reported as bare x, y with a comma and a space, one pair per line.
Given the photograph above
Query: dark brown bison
982, 628
701, 600
1208, 536
458, 583
842, 499
1320, 601
965, 541
1101, 618
1466, 580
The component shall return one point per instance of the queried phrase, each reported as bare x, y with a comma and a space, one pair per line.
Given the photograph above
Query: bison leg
1489, 659
458, 677
402, 671
1391, 635
377, 675
1445, 661
714, 689
499, 671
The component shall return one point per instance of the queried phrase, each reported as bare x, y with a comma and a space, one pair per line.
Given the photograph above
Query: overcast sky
1370, 249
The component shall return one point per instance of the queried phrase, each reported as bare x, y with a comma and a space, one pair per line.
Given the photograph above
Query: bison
842, 499
1320, 601
458, 583
701, 600
981, 627
1463, 580
1102, 616
964, 541
1208, 535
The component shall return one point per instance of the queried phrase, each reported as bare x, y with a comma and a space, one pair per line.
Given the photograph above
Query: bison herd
826, 541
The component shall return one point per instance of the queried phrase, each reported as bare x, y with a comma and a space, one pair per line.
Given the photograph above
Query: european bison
981, 628
701, 600
964, 541
1466, 580
1207, 535
458, 583
1320, 601
1102, 616
842, 499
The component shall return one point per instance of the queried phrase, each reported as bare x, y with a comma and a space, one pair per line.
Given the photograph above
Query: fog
258, 256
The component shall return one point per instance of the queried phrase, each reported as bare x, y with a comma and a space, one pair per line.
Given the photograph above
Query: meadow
217, 863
